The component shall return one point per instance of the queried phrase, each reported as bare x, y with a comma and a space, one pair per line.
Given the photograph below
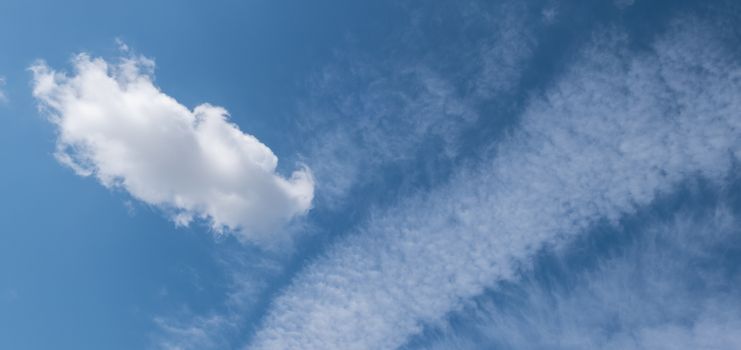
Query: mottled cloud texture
668, 286
394, 111
114, 124
615, 130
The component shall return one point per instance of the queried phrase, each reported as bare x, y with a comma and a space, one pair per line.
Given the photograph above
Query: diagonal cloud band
618, 129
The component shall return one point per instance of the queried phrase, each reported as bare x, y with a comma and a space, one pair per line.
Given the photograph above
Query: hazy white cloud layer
250, 272
384, 124
115, 124
410, 104
617, 129
674, 286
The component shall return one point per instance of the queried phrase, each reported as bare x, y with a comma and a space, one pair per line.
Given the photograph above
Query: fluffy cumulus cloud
617, 129
114, 124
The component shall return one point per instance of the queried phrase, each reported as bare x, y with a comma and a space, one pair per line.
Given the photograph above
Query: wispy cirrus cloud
382, 126
113, 123
370, 113
617, 129
671, 285
250, 272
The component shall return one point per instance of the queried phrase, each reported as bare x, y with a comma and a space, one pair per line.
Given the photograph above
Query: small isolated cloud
549, 14
122, 46
623, 4
113, 123
3, 97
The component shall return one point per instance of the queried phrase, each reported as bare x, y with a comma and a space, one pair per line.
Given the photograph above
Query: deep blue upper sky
485, 175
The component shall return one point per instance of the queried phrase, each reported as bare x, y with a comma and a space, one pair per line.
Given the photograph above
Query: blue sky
549, 174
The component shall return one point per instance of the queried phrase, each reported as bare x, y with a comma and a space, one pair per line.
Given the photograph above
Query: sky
549, 174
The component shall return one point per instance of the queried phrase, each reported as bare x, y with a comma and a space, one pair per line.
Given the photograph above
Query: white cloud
623, 4
250, 271
115, 124
549, 14
618, 129
672, 286
3, 97
408, 107
384, 124
505, 54
384, 112
122, 46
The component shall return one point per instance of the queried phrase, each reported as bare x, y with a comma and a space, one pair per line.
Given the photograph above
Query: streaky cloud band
668, 284
618, 129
